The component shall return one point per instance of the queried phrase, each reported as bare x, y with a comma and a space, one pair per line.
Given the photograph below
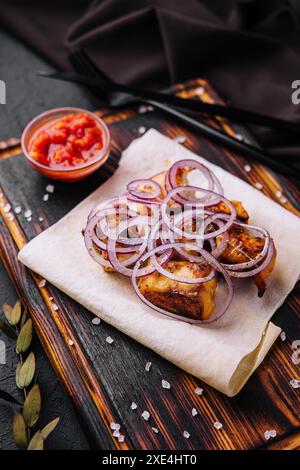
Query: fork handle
229, 142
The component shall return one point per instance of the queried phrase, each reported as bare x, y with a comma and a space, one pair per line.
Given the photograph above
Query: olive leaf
25, 373
25, 337
7, 309
24, 318
19, 431
15, 316
7, 330
32, 406
37, 442
8, 397
49, 428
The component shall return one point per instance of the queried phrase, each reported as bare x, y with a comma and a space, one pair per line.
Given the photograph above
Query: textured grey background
28, 95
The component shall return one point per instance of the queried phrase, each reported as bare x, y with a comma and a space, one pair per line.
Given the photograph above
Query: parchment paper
223, 354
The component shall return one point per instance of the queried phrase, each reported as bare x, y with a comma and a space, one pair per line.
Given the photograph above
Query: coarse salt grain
54, 306
148, 366
239, 137
10, 216
142, 109
272, 433
109, 340
113, 425
28, 214
180, 139
218, 425
283, 336
295, 383
50, 188
258, 185
41, 219
142, 130
133, 406
42, 283
283, 200
194, 412
71, 342
165, 384
18, 209
199, 91
279, 194
45, 197
155, 430
146, 415
198, 391
247, 168
186, 434
96, 321
7, 207
116, 433
121, 438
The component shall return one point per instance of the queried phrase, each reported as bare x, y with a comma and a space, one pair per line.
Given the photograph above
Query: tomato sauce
71, 141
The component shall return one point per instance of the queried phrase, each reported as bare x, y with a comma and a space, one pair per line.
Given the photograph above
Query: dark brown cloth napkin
249, 49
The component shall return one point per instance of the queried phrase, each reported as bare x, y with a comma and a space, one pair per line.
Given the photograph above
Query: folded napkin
223, 354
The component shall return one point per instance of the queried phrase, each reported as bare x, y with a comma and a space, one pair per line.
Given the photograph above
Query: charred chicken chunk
191, 300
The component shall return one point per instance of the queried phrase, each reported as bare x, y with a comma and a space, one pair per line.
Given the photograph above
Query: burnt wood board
103, 380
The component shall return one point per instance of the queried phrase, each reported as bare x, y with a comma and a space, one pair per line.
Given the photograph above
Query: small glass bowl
75, 173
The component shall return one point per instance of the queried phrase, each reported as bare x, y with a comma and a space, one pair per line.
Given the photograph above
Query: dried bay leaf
15, 316
37, 442
49, 428
18, 374
25, 337
26, 372
7, 309
32, 406
19, 431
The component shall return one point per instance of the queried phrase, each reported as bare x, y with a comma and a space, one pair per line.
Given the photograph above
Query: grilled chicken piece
241, 212
191, 300
242, 248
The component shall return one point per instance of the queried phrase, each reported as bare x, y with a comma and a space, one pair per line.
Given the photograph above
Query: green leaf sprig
19, 327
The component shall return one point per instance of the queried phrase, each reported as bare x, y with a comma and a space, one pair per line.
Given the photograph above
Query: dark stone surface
28, 95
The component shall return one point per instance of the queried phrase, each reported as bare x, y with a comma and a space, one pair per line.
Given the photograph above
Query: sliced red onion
152, 193
253, 272
183, 233
209, 258
213, 183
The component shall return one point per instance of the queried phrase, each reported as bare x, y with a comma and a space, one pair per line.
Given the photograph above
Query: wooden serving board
103, 380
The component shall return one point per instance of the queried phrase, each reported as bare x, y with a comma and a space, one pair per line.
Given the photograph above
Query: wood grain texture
104, 379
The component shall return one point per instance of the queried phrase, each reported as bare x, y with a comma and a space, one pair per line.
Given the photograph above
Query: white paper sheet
223, 354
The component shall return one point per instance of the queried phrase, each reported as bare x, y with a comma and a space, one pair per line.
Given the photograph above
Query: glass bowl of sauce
66, 144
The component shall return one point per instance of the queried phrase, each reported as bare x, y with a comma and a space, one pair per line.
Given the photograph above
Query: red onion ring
209, 258
155, 189
253, 272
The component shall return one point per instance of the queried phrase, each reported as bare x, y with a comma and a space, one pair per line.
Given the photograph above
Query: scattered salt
116, 433
239, 137
165, 384
96, 321
295, 383
142, 109
199, 91
194, 412
113, 425
270, 433
218, 425
283, 200
146, 415
7, 207
133, 406
71, 342
186, 434
18, 209
50, 188
142, 130
10, 216
155, 430
54, 306
180, 139
148, 366
198, 391
42, 283
258, 185
278, 194
45, 197
109, 340
121, 438
41, 219
283, 336
247, 168
28, 214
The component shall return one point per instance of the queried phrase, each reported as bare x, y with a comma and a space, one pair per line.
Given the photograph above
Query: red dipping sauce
66, 144
71, 141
